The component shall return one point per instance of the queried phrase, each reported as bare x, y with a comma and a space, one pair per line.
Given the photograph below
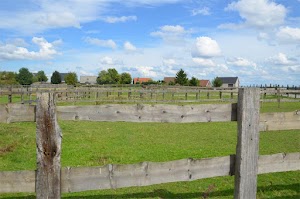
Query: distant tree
194, 82
55, 78
24, 77
8, 78
71, 78
181, 78
217, 82
125, 78
171, 83
41, 77
110, 76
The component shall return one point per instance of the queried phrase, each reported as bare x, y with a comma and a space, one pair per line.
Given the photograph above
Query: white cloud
13, 52
201, 11
103, 43
110, 61
206, 47
129, 47
288, 35
171, 34
204, 62
146, 71
259, 13
240, 62
282, 60
169, 62
119, 19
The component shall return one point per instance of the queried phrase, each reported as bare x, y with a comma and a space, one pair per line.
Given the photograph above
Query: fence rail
76, 179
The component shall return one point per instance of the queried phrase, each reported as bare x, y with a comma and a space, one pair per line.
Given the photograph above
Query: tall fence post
48, 142
247, 143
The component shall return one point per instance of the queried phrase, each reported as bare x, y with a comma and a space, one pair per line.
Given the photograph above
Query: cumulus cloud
201, 11
288, 35
13, 52
110, 61
259, 13
171, 34
169, 62
282, 60
129, 47
102, 43
146, 71
204, 62
240, 62
205, 47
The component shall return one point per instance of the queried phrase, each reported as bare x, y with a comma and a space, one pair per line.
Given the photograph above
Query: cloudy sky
256, 40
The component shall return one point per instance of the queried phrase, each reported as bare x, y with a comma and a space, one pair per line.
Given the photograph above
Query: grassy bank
99, 143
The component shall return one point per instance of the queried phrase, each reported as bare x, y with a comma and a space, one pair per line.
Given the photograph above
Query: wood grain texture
150, 113
76, 179
48, 140
247, 144
280, 121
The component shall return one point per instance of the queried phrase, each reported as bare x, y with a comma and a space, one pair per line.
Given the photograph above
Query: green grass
99, 143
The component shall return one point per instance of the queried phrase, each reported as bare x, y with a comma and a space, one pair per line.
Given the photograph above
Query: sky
255, 40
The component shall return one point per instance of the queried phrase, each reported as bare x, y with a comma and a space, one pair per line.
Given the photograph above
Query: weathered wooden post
48, 142
10, 94
247, 143
278, 97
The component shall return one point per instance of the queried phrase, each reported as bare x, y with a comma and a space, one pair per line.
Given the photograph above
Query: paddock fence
49, 180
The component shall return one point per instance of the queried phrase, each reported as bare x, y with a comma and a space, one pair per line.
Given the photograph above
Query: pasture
99, 143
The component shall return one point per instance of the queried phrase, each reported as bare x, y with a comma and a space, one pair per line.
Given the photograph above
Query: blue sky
256, 40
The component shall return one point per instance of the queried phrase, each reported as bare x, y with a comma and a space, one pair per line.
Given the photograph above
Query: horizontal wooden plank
76, 179
280, 121
150, 113
17, 181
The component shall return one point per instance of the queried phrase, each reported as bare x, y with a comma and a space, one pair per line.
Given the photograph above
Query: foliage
41, 77
110, 76
171, 83
8, 78
24, 77
71, 78
55, 78
181, 78
194, 82
217, 82
125, 78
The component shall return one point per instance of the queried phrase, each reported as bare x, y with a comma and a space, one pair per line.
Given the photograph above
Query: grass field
99, 143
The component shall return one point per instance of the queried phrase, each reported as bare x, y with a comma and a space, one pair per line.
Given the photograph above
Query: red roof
204, 83
141, 79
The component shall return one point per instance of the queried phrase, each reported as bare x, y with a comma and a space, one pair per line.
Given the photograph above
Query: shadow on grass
162, 193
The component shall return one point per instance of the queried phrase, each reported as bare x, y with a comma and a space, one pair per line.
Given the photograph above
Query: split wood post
247, 144
48, 142
278, 97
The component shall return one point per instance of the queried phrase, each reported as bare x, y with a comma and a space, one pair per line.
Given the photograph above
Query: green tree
194, 82
24, 77
8, 78
41, 77
55, 78
181, 78
110, 76
217, 82
125, 78
71, 78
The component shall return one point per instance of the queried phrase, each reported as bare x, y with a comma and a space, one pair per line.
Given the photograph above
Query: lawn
99, 143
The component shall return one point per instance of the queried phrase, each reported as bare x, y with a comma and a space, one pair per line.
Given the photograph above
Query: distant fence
96, 95
50, 180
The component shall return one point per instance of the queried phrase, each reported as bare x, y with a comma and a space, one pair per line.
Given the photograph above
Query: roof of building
169, 79
204, 83
141, 79
229, 80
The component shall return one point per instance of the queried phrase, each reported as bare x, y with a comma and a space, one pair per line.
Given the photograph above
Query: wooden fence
73, 95
50, 180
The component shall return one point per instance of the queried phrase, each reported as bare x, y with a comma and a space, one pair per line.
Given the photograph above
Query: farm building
204, 83
167, 80
88, 79
140, 80
230, 82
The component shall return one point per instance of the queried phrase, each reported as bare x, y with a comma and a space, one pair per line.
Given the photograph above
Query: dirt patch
7, 149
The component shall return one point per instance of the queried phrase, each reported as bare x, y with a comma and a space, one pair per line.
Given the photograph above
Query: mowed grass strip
99, 143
